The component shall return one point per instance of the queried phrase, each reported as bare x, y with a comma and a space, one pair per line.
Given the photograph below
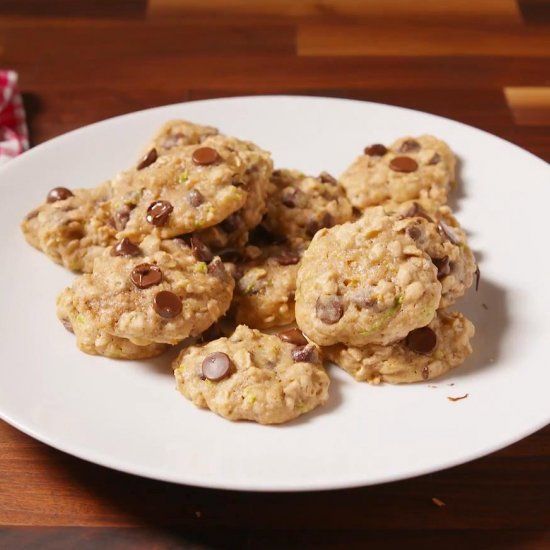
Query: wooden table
484, 62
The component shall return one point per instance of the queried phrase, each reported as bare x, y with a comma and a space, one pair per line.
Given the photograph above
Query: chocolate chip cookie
190, 188
436, 231
411, 168
157, 291
299, 205
254, 376
425, 353
176, 133
364, 282
72, 227
265, 288
95, 341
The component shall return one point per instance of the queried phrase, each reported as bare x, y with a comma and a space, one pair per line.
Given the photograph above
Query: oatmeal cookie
298, 205
424, 354
91, 339
364, 282
265, 288
190, 188
72, 227
254, 376
159, 291
178, 133
437, 232
411, 168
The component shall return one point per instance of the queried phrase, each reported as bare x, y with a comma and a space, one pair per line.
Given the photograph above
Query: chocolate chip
148, 159
443, 266
122, 215
329, 309
217, 269
290, 197
312, 226
435, 159
59, 194
363, 299
158, 213
67, 324
421, 340
416, 211
478, 277
287, 257
414, 232
448, 232
425, 373
376, 150
304, 354
167, 304
325, 177
146, 275
403, 164
232, 223
125, 248
216, 366
195, 198
203, 156
293, 336
201, 252
409, 146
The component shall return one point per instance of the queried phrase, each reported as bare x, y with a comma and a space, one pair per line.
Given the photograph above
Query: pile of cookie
202, 244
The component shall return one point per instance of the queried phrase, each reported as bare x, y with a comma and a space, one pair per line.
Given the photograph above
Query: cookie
411, 168
72, 227
94, 341
298, 205
364, 282
177, 133
436, 231
157, 291
189, 188
425, 353
265, 287
254, 376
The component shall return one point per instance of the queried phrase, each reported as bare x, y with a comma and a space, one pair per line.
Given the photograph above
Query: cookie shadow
163, 363
488, 310
457, 192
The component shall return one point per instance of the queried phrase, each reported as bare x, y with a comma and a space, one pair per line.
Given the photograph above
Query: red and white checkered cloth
14, 138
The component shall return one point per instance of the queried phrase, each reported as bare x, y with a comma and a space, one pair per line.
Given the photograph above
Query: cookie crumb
484, 306
198, 513
458, 398
438, 502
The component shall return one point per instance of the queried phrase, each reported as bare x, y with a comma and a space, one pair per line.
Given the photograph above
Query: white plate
128, 415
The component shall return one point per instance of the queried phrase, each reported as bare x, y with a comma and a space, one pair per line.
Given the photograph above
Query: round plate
128, 416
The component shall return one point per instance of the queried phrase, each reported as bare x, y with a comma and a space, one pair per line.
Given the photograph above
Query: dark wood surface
483, 62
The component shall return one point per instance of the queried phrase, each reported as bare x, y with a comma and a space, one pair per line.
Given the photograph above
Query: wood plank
129, 42
86, 538
40, 486
530, 106
267, 73
70, 8
429, 39
535, 12
382, 540
501, 10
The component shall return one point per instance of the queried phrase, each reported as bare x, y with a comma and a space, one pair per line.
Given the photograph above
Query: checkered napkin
14, 138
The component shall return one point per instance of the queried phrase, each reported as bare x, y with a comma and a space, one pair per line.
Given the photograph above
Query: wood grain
483, 62
385, 38
529, 106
